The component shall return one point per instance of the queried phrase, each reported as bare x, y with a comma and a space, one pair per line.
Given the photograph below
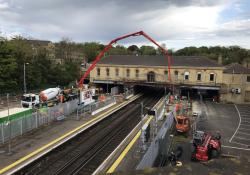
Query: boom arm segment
100, 55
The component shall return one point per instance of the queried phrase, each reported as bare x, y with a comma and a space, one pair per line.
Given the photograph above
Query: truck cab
30, 100
182, 124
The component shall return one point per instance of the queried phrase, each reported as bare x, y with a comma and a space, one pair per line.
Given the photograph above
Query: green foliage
8, 67
118, 50
91, 50
147, 50
41, 72
133, 49
229, 55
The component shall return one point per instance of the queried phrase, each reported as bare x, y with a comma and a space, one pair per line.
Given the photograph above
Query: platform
32, 145
130, 152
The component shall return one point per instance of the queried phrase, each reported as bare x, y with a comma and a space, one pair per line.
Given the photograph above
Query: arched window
107, 72
151, 77
166, 74
186, 75
136, 73
128, 73
117, 72
176, 75
98, 71
212, 77
198, 76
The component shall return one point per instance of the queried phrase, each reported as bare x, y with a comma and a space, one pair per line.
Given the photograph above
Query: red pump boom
100, 55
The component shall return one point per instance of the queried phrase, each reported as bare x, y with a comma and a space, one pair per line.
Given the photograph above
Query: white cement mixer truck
53, 96
48, 97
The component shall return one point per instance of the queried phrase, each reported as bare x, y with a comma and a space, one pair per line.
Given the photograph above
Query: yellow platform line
7, 168
126, 150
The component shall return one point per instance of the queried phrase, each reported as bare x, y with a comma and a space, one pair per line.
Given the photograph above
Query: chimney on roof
220, 59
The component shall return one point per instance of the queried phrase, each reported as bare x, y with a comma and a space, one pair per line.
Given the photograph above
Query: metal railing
159, 146
39, 117
83, 111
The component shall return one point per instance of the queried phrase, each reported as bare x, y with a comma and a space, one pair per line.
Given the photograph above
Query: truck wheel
215, 153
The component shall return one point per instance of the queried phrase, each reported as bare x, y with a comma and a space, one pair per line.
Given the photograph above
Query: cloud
4, 5
98, 20
238, 27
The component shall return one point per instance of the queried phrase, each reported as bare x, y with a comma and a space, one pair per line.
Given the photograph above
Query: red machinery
182, 124
100, 55
205, 146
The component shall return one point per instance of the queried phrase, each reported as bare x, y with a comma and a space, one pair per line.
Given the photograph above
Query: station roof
159, 60
236, 68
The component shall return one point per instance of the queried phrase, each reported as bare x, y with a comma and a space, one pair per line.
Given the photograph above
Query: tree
8, 68
91, 50
118, 50
22, 51
229, 54
133, 49
188, 51
147, 50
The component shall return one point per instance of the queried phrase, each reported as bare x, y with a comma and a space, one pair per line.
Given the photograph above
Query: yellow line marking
60, 138
126, 150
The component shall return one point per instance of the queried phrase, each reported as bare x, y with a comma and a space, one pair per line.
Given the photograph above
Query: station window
98, 71
198, 76
107, 72
166, 74
186, 75
128, 72
116, 72
137, 73
176, 75
248, 78
211, 77
151, 76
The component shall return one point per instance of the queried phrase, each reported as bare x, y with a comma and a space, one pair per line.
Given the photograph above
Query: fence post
21, 126
84, 111
36, 117
2, 132
77, 115
156, 121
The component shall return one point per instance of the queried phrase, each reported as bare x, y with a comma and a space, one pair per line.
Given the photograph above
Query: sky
176, 23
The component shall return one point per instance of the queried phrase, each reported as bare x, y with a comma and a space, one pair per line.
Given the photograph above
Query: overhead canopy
206, 87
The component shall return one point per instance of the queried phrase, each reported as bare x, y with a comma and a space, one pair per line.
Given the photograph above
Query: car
195, 114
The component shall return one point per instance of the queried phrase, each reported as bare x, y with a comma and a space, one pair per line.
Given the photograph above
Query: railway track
84, 153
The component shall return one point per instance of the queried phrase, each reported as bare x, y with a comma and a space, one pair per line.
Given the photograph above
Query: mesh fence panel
38, 118
83, 110
159, 145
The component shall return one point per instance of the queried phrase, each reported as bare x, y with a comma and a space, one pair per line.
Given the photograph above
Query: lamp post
24, 77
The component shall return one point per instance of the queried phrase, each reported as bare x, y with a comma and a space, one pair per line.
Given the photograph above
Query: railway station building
236, 84
193, 76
